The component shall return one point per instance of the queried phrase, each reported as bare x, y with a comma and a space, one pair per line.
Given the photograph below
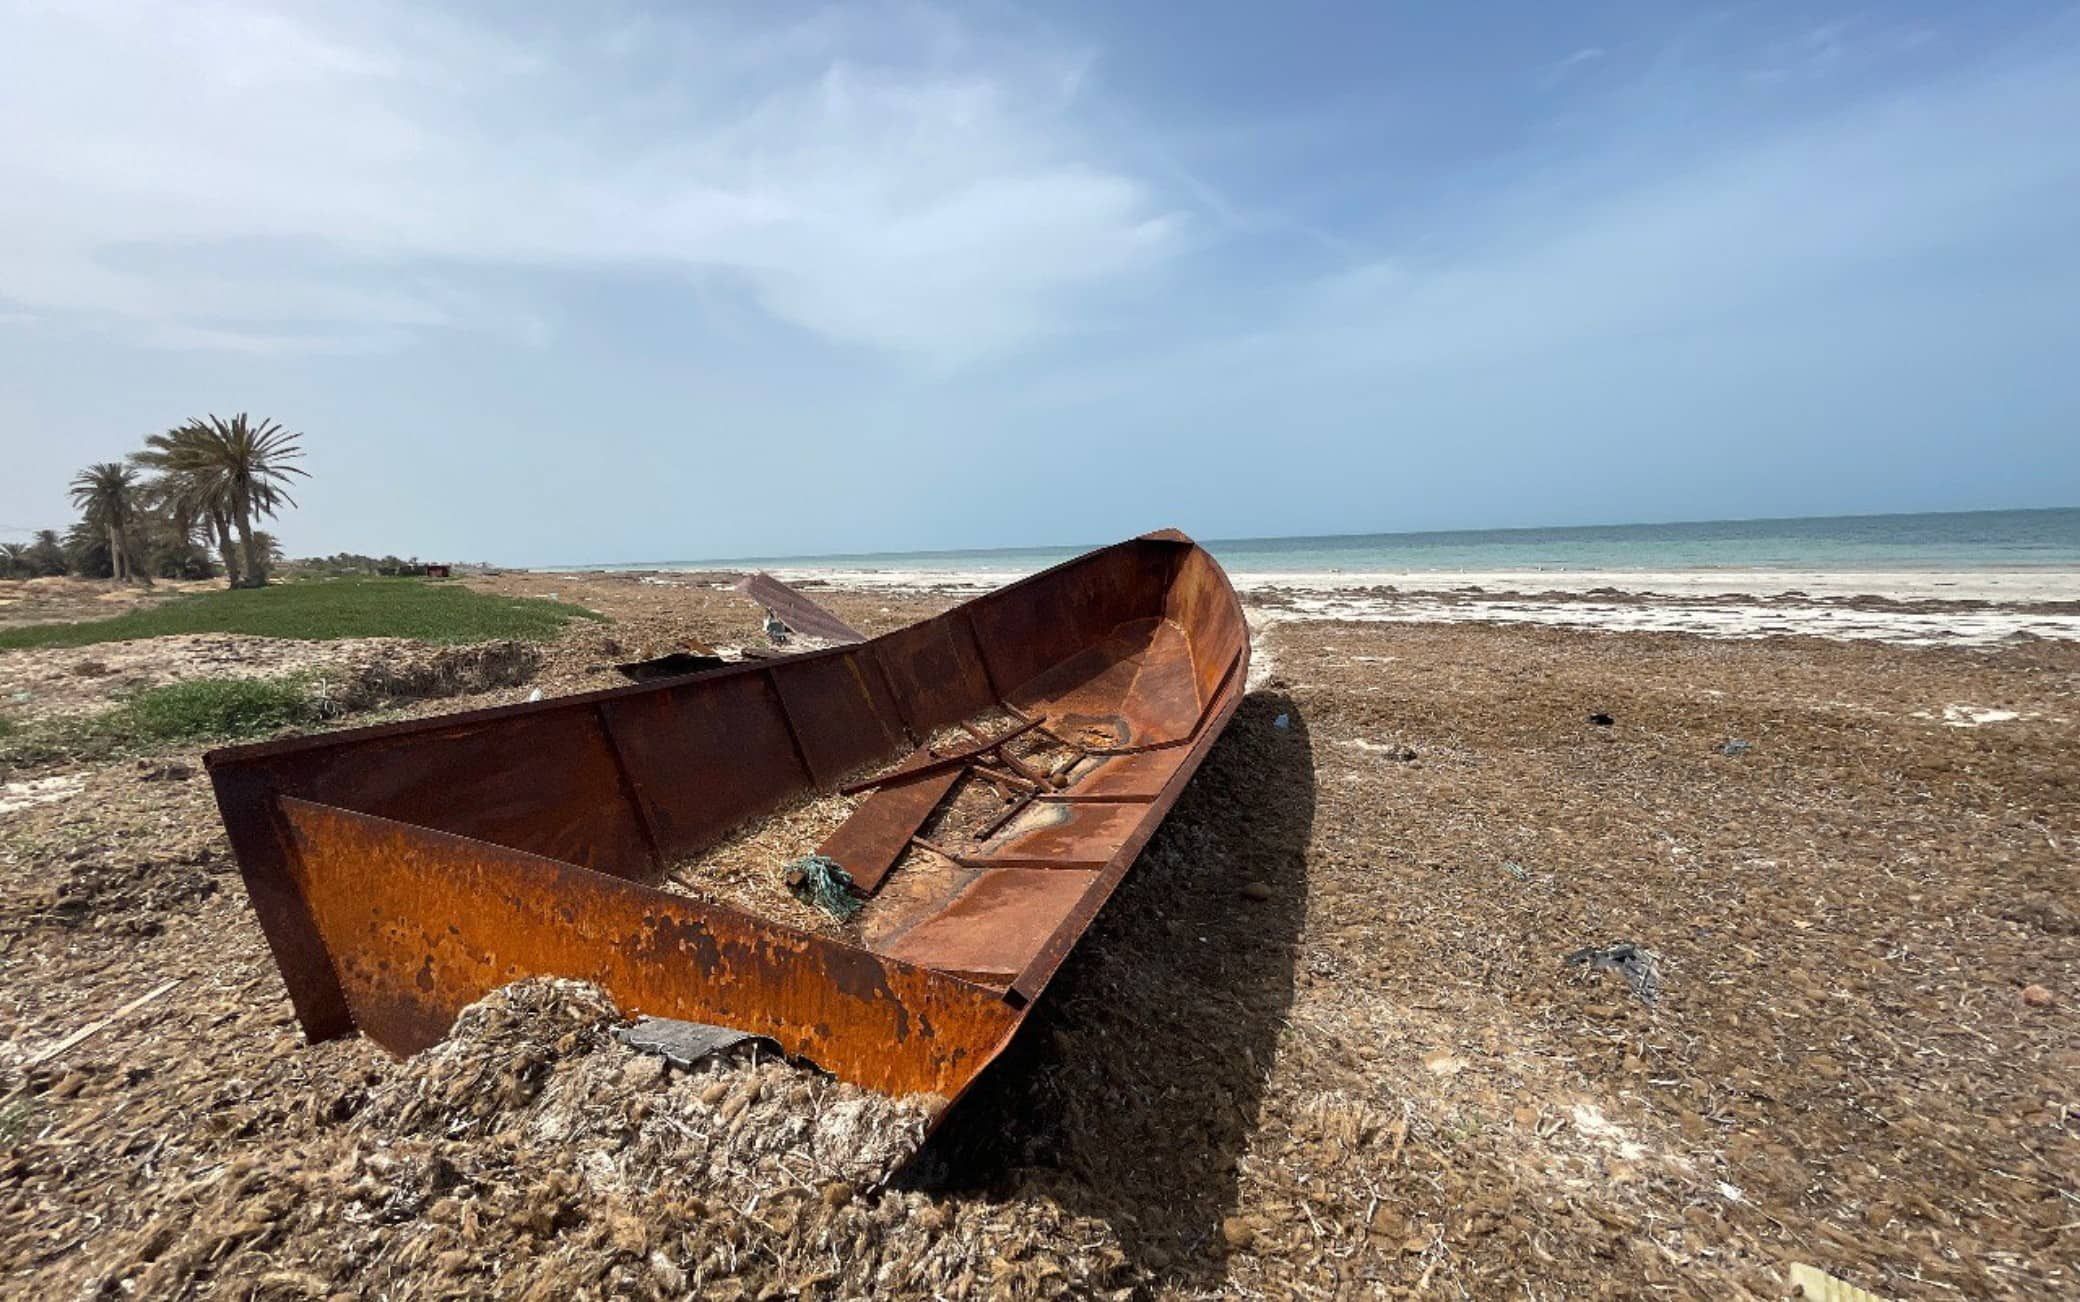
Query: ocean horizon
1951, 540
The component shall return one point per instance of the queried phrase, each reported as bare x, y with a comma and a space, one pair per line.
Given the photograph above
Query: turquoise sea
1947, 541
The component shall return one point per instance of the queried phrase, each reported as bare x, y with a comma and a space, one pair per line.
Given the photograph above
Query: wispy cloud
1560, 69
942, 207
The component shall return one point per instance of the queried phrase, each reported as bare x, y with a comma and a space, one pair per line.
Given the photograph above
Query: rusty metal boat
403, 871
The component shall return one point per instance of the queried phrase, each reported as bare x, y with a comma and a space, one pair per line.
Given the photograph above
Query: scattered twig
94, 1028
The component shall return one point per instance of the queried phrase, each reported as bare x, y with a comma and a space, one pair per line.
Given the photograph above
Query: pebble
2036, 996
1256, 891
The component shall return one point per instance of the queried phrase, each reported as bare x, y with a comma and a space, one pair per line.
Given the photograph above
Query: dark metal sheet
675, 664
542, 782
797, 611
682, 1043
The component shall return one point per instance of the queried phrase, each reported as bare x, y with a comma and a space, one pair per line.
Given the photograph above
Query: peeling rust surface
424, 923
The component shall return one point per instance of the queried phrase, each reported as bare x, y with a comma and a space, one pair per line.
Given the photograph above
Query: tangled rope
819, 880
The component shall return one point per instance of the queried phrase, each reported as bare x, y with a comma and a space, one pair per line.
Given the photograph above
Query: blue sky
673, 281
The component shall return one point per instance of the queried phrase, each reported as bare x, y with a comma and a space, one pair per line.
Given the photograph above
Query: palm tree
106, 494
14, 560
47, 553
193, 491
239, 467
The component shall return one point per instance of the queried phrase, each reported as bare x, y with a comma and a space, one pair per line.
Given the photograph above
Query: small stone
1257, 891
1525, 1116
2036, 996
1238, 1233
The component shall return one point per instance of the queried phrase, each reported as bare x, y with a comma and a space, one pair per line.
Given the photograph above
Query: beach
1836, 813
1981, 606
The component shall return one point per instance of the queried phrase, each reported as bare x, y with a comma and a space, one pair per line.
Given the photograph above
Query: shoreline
2005, 584
1917, 607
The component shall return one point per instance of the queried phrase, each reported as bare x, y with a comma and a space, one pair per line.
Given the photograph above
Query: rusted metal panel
1201, 602
543, 782
797, 611
1131, 777
935, 672
1034, 978
993, 929
706, 755
1065, 836
1035, 626
420, 924
841, 712
1140, 676
926, 762
868, 844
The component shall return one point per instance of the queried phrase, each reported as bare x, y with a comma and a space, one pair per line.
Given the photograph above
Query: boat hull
403, 871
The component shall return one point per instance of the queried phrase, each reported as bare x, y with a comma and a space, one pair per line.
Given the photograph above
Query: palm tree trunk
115, 553
256, 576
225, 551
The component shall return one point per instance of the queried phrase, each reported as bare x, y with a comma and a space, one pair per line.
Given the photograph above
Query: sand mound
532, 1155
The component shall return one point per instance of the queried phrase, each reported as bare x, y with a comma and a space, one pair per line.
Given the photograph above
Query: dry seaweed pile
746, 870
346, 674
533, 1156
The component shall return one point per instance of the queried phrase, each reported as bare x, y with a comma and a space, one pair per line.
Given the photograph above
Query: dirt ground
61, 597
1371, 1073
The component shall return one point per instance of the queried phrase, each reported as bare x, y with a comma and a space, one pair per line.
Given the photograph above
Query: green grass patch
324, 608
195, 710
214, 707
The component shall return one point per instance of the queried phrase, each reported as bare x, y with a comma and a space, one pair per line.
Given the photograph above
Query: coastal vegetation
170, 510
320, 608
